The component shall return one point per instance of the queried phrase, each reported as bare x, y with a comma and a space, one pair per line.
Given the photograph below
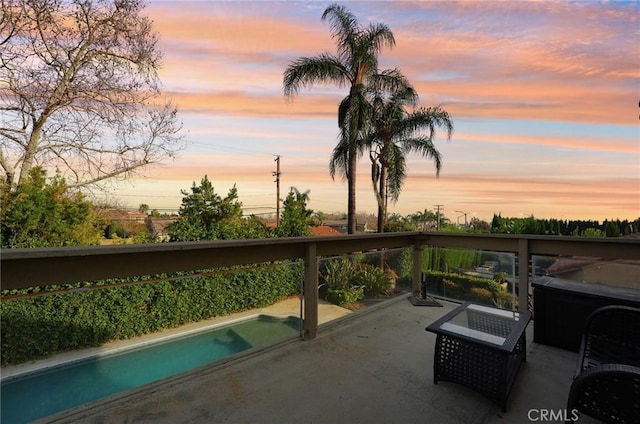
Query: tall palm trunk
351, 202
382, 203
355, 65
382, 208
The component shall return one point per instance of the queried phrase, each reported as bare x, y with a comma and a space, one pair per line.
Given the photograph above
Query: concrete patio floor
374, 366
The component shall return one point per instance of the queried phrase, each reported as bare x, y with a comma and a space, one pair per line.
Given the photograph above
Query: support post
523, 278
310, 319
417, 269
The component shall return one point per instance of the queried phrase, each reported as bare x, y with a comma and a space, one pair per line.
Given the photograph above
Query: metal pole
465, 218
523, 278
277, 181
310, 320
438, 217
416, 284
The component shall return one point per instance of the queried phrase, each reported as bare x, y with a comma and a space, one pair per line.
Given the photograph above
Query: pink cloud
229, 59
527, 61
594, 143
246, 104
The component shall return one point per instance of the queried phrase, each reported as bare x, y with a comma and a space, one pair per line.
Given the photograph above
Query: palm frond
396, 172
343, 111
424, 147
343, 22
339, 161
375, 179
392, 84
307, 71
431, 118
378, 36
344, 28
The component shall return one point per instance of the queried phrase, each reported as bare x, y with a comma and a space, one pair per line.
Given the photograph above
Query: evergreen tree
41, 213
612, 228
204, 215
495, 223
295, 215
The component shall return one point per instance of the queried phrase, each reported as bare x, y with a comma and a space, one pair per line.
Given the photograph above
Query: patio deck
375, 366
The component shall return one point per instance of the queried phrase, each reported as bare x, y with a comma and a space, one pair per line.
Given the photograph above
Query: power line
232, 149
139, 195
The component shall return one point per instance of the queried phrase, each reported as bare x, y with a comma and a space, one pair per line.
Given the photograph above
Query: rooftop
375, 365
372, 366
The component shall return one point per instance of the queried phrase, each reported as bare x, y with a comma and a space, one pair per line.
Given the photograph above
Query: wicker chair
607, 380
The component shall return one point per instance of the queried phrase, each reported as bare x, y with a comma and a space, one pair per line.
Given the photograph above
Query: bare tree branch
79, 90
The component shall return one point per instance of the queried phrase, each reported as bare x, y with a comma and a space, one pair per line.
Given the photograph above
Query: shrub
480, 295
338, 274
34, 327
466, 287
345, 296
401, 261
374, 280
346, 281
43, 212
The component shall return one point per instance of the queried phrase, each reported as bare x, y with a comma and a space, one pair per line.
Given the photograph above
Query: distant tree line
563, 227
46, 212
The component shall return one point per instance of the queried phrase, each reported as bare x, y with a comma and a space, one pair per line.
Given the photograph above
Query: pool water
43, 393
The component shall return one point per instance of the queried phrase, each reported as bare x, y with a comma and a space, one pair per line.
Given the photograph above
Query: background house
340, 225
618, 273
157, 225
324, 230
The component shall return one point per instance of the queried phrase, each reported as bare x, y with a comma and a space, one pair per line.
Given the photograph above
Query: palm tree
396, 133
355, 65
387, 163
421, 219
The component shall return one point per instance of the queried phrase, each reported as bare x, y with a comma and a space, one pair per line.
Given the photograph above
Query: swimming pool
43, 393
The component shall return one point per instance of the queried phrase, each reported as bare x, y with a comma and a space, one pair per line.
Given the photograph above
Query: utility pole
276, 174
465, 218
438, 216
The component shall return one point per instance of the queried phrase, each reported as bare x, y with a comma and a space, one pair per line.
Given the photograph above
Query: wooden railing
23, 268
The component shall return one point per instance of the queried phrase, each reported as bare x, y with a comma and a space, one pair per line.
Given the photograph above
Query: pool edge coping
83, 413
12, 372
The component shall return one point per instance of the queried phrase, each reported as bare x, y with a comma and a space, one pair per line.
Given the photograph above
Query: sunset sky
544, 98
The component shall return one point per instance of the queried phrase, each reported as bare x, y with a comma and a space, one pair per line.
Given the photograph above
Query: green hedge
439, 259
467, 288
36, 327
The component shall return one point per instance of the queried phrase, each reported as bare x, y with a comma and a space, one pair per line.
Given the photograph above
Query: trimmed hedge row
467, 287
36, 327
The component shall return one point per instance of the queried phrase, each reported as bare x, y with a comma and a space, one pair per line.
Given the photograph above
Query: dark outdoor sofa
606, 385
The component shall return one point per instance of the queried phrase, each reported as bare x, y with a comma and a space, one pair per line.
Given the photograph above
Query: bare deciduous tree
79, 90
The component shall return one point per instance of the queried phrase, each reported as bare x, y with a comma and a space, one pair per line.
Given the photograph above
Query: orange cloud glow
544, 98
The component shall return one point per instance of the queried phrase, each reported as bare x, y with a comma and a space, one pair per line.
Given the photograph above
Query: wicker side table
480, 347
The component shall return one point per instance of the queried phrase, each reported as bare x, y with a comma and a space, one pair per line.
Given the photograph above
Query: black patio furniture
480, 347
561, 307
607, 379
